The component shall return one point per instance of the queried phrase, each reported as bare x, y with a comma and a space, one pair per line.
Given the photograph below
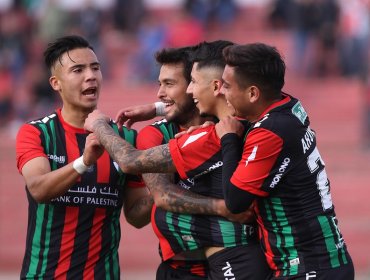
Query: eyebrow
85, 65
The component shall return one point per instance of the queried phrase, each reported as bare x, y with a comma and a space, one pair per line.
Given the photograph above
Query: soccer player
226, 259
281, 169
75, 190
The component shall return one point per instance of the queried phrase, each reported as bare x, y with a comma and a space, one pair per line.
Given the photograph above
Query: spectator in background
355, 36
210, 13
6, 87
326, 59
128, 15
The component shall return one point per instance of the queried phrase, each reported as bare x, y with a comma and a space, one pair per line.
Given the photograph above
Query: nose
161, 92
92, 74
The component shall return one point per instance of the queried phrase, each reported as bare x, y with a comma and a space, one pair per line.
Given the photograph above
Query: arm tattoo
131, 160
172, 197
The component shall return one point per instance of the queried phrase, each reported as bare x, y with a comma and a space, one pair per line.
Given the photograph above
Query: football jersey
280, 164
77, 234
183, 232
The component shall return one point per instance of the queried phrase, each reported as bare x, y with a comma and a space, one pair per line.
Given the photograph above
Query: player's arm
229, 130
129, 159
174, 198
44, 184
245, 179
137, 205
130, 115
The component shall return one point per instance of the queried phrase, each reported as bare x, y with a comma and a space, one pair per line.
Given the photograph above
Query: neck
194, 120
75, 118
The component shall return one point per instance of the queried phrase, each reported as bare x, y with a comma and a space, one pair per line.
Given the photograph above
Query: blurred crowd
330, 38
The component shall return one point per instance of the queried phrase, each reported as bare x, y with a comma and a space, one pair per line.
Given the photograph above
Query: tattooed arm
137, 206
174, 198
129, 159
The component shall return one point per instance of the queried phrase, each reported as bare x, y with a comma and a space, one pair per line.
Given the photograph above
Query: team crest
299, 112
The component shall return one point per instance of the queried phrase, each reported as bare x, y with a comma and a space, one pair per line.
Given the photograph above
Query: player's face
235, 96
172, 92
202, 90
77, 77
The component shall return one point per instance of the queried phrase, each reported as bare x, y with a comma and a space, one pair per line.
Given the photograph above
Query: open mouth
91, 91
167, 103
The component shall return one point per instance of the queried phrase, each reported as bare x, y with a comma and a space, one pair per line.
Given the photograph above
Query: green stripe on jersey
36, 241
283, 234
169, 219
228, 233
116, 233
185, 229
331, 234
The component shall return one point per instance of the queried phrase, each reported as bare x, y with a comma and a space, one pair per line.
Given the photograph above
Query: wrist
80, 166
159, 109
221, 208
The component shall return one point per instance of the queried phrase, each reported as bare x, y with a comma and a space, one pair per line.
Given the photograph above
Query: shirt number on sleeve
322, 182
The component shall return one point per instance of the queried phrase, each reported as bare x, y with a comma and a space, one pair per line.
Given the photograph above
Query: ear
54, 82
216, 84
254, 94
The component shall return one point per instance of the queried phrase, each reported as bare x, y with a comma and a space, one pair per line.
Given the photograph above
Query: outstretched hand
130, 115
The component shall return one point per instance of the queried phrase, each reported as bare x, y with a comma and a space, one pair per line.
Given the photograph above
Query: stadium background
337, 105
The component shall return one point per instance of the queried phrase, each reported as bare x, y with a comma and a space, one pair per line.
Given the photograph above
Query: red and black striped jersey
282, 166
76, 235
183, 232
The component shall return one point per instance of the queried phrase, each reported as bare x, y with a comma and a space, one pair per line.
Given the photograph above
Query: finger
120, 116
129, 123
177, 135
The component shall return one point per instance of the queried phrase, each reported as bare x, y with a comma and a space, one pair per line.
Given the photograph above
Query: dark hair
257, 64
209, 54
177, 55
56, 49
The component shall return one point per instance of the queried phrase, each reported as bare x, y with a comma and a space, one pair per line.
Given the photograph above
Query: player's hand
130, 115
93, 117
229, 125
194, 127
245, 217
93, 149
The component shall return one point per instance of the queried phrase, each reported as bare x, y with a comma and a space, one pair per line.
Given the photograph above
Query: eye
96, 67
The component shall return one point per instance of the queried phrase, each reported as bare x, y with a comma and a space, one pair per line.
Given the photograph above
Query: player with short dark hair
75, 190
281, 169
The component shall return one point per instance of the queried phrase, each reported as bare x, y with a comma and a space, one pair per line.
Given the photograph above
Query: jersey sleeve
28, 145
260, 153
149, 137
196, 153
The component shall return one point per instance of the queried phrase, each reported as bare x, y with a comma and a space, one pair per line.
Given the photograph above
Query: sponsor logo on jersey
187, 238
299, 112
193, 138
213, 167
280, 173
294, 262
58, 159
186, 184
